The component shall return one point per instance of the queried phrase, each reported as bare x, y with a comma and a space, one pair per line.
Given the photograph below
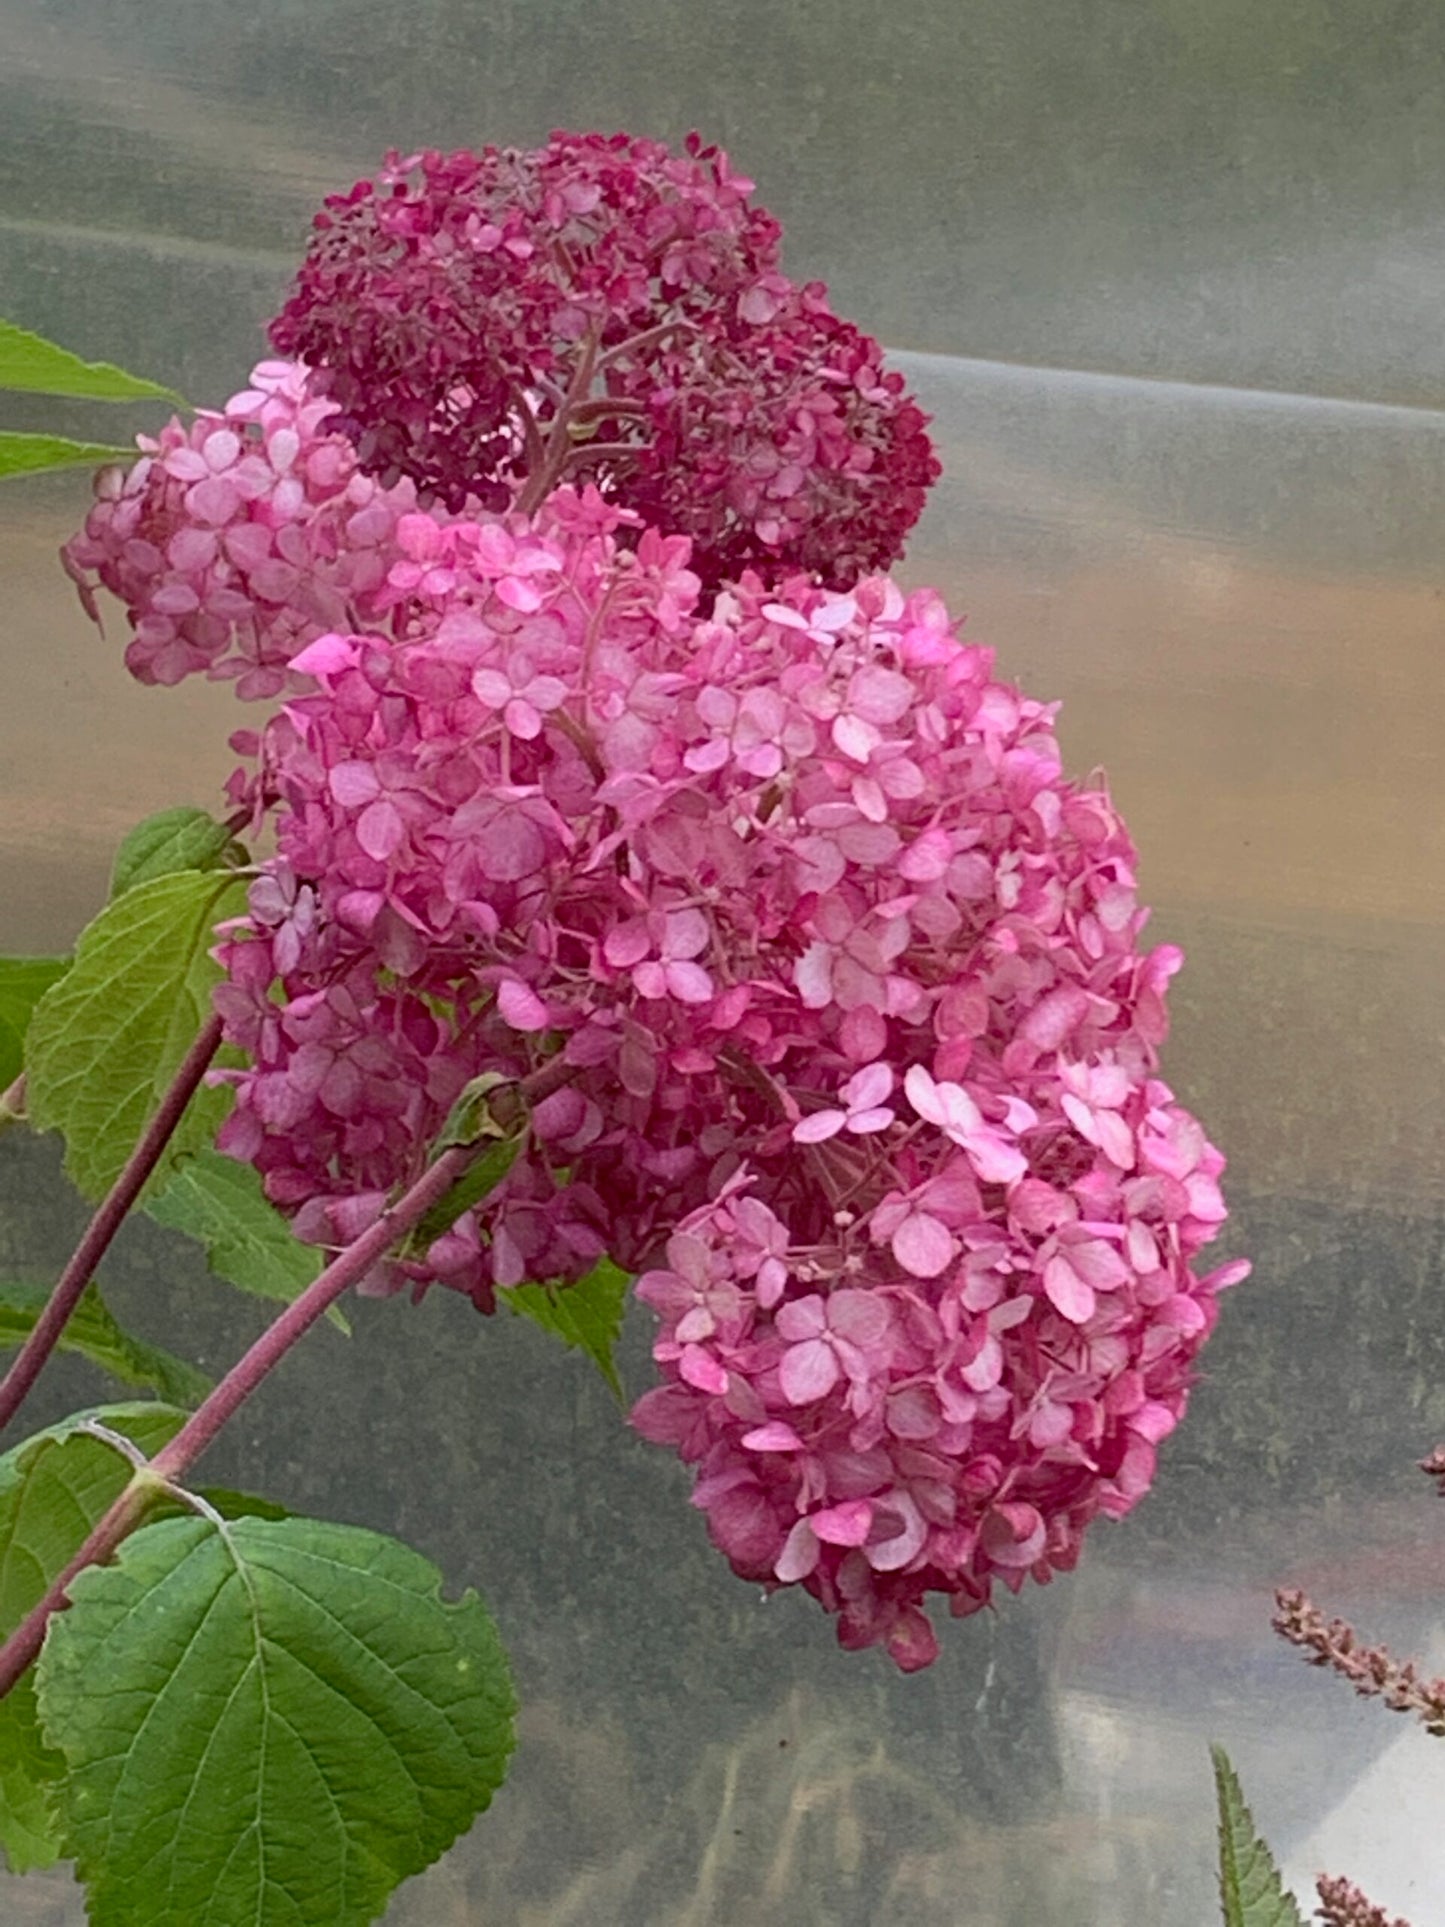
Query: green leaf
470, 1118
106, 1040
470, 1188
53, 1488
1250, 1890
172, 840
28, 1769
28, 454
23, 982
41, 367
93, 1332
587, 1315
332, 1723
221, 1204
55, 1485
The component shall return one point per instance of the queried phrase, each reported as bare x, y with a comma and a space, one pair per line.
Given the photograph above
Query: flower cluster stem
107, 1221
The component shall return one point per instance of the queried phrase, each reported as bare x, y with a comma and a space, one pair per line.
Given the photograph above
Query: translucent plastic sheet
1231, 577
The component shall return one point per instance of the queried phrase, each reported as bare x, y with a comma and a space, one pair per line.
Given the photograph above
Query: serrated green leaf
470, 1188
28, 1769
39, 367
23, 982
1251, 1892
22, 454
587, 1315
55, 1485
105, 1042
220, 1203
92, 1331
333, 1723
53, 1488
172, 840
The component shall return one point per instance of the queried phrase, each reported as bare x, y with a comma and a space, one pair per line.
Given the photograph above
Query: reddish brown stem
106, 1222
174, 1460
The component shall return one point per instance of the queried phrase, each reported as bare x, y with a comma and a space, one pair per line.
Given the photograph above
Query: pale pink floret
954, 1112
864, 1108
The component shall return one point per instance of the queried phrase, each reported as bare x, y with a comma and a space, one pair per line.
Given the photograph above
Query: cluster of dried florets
843, 982
1343, 1905
605, 311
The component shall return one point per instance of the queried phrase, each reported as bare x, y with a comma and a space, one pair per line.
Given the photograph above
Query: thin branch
601, 452
107, 1221
175, 1459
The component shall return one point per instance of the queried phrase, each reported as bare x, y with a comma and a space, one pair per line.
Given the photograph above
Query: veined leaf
172, 840
334, 1724
22, 454
53, 1489
55, 1485
1250, 1890
28, 1770
470, 1188
220, 1203
587, 1315
105, 1041
40, 367
23, 982
92, 1331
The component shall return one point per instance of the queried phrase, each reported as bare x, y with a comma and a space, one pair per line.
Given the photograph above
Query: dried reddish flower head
604, 310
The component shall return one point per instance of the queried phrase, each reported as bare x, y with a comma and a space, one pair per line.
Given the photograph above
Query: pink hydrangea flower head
857, 1041
603, 309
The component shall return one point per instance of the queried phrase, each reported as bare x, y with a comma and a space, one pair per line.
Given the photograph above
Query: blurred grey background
1168, 273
